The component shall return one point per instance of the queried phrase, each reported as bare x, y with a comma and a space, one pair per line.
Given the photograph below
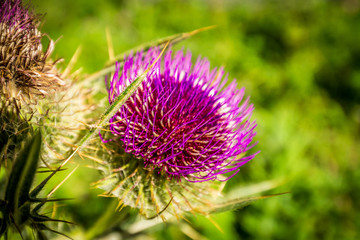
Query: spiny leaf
23, 173
239, 203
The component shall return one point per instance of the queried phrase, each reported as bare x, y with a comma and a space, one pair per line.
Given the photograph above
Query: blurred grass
299, 61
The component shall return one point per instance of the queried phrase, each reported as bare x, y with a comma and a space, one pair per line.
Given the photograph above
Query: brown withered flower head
30, 84
26, 74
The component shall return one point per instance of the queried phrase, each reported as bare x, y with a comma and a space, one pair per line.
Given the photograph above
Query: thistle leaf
23, 173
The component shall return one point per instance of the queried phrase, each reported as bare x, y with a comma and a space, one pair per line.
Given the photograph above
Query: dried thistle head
33, 92
26, 74
181, 130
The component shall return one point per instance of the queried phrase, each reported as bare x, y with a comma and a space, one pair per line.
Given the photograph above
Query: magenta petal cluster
183, 121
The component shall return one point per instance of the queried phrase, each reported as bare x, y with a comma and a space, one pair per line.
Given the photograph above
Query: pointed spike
163, 210
38, 207
42, 203
41, 226
72, 62
41, 185
51, 170
45, 200
63, 181
110, 45
42, 218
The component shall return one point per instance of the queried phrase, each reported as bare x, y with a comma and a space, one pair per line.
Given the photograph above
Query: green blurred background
300, 63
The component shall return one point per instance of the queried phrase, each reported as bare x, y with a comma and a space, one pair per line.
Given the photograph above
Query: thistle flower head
25, 73
182, 122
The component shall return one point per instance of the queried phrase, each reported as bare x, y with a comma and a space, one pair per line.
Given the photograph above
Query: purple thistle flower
182, 121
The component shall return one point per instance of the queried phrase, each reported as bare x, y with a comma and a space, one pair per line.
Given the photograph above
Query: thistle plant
180, 131
173, 134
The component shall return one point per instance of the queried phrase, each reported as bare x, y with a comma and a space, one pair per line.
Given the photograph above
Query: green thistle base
153, 193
